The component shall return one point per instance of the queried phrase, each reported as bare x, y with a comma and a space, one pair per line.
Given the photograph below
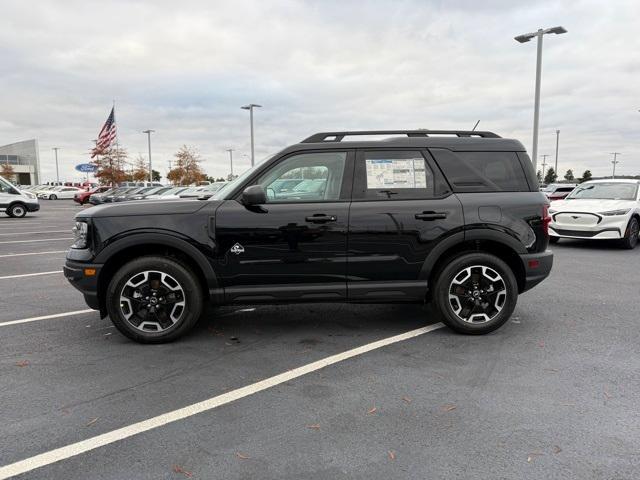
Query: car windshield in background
606, 191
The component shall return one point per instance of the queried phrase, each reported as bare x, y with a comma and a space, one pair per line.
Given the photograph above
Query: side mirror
254, 195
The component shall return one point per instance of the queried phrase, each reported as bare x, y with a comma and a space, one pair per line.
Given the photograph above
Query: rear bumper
537, 267
86, 284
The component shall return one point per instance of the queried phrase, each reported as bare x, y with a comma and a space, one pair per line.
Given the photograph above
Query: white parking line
29, 275
44, 317
31, 253
34, 233
92, 443
39, 240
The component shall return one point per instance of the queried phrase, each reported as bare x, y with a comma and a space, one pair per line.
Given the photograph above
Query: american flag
107, 135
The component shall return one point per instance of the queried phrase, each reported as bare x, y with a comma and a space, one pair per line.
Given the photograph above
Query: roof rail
339, 136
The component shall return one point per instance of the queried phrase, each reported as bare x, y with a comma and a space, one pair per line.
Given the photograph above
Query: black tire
630, 239
53, 197
17, 210
554, 240
500, 301
177, 272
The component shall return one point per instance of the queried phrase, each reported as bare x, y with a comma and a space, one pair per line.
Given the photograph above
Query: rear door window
482, 171
395, 175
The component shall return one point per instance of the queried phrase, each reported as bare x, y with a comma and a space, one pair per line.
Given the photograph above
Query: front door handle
321, 218
428, 216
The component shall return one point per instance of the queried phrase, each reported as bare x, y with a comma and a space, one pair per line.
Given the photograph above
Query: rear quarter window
469, 172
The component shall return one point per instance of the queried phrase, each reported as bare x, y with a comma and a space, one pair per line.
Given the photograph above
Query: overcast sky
185, 68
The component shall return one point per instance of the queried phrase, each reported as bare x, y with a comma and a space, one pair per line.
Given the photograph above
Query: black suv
449, 217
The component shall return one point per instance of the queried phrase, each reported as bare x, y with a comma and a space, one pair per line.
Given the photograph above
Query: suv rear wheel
476, 293
154, 299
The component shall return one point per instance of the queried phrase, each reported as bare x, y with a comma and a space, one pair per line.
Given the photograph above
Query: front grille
582, 233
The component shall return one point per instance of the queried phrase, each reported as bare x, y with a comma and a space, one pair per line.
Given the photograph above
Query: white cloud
185, 68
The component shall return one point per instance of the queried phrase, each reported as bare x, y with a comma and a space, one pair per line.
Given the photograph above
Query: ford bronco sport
449, 217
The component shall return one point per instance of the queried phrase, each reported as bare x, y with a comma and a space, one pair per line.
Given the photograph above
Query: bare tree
7, 172
187, 168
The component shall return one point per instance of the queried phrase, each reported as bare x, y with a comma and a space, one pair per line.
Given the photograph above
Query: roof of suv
459, 140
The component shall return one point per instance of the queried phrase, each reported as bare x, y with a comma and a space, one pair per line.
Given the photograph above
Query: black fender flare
450, 242
133, 239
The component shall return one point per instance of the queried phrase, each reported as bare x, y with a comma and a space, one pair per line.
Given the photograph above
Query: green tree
155, 175
539, 176
550, 176
586, 176
569, 176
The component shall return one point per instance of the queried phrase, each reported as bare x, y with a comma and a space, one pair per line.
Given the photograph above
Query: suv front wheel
154, 299
476, 293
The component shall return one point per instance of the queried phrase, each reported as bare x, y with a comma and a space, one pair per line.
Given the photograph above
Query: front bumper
537, 267
33, 206
78, 276
600, 228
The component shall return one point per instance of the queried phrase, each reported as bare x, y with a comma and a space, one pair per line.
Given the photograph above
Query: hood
588, 205
144, 207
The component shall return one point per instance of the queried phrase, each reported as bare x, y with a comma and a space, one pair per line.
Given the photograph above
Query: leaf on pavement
407, 399
179, 469
392, 455
606, 394
372, 410
448, 407
22, 363
91, 422
315, 426
242, 456
541, 343
556, 449
533, 455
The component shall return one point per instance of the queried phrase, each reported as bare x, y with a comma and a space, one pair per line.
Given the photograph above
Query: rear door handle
321, 218
427, 216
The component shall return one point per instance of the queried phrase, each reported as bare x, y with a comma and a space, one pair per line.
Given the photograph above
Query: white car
598, 210
59, 192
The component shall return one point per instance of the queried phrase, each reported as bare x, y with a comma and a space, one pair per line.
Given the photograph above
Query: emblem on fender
237, 249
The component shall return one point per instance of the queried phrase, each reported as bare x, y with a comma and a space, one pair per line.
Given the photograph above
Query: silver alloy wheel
152, 301
18, 211
477, 294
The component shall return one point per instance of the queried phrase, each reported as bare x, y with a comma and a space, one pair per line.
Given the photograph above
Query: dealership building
24, 159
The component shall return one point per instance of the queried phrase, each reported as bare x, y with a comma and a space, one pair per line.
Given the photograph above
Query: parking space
552, 394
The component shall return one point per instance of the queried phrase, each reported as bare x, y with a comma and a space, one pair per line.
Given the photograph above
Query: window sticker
396, 173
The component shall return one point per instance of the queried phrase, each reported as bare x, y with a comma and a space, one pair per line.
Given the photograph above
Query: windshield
605, 191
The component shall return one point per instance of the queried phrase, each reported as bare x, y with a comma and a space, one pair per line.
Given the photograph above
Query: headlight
80, 235
611, 213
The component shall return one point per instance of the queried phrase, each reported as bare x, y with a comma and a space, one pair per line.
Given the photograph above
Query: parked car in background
169, 194
59, 193
107, 197
83, 197
598, 210
558, 191
16, 202
142, 195
210, 189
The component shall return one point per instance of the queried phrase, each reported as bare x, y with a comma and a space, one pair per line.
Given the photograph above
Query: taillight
546, 219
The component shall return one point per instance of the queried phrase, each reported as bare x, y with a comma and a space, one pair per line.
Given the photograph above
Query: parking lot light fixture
536, 113
250, 107
615, 161
55, 149
149, 132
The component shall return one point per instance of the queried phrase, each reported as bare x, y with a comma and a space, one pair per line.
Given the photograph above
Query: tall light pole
55, 149
250, 107
557, 145
149, 132
536, 112
230, 150
615, 161
544, 164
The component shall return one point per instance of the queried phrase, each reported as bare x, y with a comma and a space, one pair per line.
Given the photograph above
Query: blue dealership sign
86, 168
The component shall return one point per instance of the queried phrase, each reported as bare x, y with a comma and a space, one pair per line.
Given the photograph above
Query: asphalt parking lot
552, 394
